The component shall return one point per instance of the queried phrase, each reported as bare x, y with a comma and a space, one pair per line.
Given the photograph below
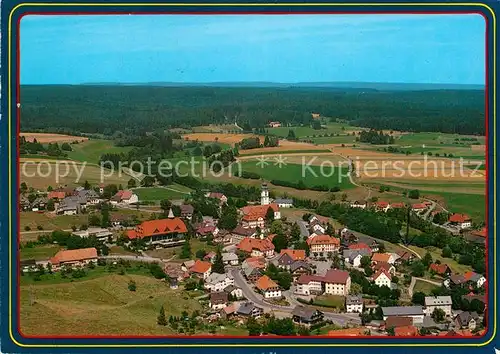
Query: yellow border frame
274, 345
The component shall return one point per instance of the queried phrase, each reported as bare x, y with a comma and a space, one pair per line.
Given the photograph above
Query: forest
132, 110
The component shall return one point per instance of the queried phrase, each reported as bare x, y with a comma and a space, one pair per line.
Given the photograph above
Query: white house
284, 203
216, 282
356, 204
309, 285
462, 221
382, 277
438, 302
230, 259
268, 287
475, 278
354, 303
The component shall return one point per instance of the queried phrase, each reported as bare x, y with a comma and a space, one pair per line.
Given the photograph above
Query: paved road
248, 292
134, 258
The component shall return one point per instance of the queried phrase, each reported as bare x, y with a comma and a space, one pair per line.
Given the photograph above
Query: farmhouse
38, 204
418, 207
72, 205
274, 124
382, 278
249, 309
354, 303
321, 245
284, 203
306, 316
125, 197
165, 232
98, 232
257, 247
357, 204
477, 279
462, 221
218, 300
201, 269
440, 269
234, 291
337, 282
382, 206
74, 258
216, 282
89, 195
384, 257
438, 302
57, 194
268, 287
415, 312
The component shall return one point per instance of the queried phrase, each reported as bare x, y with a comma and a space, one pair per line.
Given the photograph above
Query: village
264, 266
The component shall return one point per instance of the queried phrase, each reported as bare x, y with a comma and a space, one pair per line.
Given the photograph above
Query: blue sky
277, 48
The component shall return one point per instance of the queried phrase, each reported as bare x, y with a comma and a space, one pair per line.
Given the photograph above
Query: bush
27, 228
39, 227
131, 285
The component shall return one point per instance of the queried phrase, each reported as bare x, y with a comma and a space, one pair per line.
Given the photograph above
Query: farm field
159, 193
45, 138
224, 138
91, 150
45, 174
424, 287
89, 306
38, 253
50, 221
333, 176
276, 151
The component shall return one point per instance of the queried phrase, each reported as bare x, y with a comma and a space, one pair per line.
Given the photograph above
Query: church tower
264, 195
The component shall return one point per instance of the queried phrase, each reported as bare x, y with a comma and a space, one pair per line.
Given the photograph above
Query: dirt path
414, 280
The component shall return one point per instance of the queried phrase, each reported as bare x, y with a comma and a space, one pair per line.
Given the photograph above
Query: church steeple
264, 195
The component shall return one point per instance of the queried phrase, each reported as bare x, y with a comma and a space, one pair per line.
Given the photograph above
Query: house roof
123, 195
215, 278
480, 233
227, 257
437, 300
405, 331
255, 212
74, 255
457, 279
296, 255
299, 264
256, 262
359, 245
56, 194
216, 195
398, 205
304, 312
398, 321
472, 276
379, 273
248, 244
354, 300
383, 265
306, 279
336, 276
186, 209
439, 268
200, 267
246, 308
403, 311
459, 218
419, 206
323, 240
218, 297
239, 230
381, 257
283, 201
382, 204
157, 227
264, 283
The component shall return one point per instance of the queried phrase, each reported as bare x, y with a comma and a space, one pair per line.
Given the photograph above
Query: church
255, 215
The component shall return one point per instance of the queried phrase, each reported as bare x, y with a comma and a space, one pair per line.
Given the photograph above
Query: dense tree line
375, 137
107, 109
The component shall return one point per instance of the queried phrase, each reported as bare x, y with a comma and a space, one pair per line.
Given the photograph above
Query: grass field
341, 139
281, 152
157, 194
166, 253
51, 221
46, 173
39, 253
91, 150
45, 138
312, 176
330, 301
424, 287
472, 204
436, 255
101, 306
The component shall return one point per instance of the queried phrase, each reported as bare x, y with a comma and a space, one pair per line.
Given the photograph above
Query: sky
444, 49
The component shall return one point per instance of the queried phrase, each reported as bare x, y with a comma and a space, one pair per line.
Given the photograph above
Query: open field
101, 306
225, 138
166, 253
471, 204
330, 301
50, 221
44, 138
160, 193
278, 151
39, 253
44, 173
424, 287
91, 150
312, 176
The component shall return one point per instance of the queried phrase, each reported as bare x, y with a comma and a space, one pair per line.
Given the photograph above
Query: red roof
419, 206
379, 273
459, 218
405, 331
248, 244
296, 255
481, 233
264, 283
204, 230
382, 204
254, 212
216, 195
323, 240
360, 245
439, 268
157, 227
336, 276
200, 267
74, 255
398, 205
57, 195
306, 279
381, 257
256, 262
123, 195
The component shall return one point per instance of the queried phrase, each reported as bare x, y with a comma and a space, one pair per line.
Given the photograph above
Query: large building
73, 258
321, 245
337, 282
438, 302
166, 232
257, 247
255, 215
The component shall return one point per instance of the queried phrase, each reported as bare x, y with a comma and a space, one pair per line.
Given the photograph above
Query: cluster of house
71, 201
468, 278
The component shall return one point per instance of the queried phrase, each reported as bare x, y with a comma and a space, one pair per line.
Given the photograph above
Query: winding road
341, 319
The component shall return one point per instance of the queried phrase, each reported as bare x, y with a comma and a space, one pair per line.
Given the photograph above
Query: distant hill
379, 86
